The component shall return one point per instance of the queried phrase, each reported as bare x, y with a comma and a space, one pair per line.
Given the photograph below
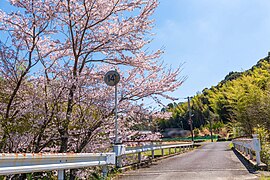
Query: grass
158, 152
231, 145
198, 138
265, 177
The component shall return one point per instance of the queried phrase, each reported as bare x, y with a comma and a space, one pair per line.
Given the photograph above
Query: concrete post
247, 151
250, 154
61, 175
119, 150
257, 148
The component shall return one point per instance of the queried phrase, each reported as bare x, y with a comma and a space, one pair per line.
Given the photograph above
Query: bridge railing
13, 163
122, 151
248, 146
30, 162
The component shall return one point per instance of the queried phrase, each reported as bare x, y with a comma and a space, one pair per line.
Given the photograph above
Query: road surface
211, 161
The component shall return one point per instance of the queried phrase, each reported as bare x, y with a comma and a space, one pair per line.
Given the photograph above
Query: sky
212, 38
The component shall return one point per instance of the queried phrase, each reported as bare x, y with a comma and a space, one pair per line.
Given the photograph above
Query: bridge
209, 161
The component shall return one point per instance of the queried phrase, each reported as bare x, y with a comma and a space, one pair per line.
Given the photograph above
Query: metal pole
104, 172
190, 120
153, 151
116, 123
61, 174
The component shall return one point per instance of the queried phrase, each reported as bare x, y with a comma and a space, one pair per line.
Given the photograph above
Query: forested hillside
242, 98
238, 106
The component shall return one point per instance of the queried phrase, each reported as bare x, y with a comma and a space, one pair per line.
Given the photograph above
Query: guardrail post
250, 154
61, 174
257, 148
162, 152
104, 172
119, 150
153, 151
140, 157
174, 149
247, 151
169, 150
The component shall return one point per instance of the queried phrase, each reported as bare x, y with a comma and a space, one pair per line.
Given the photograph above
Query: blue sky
212, 37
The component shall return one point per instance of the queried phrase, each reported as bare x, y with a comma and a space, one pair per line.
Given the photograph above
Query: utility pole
211, 126
190, 120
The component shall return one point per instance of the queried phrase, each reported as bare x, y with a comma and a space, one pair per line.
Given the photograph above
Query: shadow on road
247, 165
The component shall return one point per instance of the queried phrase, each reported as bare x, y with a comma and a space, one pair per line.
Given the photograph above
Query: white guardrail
12, 163
121, 150
248, 146
28, 162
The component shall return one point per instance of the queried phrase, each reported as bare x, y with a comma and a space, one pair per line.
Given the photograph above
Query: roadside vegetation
238, 106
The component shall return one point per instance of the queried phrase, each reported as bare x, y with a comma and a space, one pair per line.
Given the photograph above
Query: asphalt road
211, 161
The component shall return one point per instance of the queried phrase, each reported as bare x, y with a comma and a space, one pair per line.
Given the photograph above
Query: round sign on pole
111, 78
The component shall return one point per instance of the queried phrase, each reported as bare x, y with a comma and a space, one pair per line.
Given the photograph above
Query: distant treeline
241, 101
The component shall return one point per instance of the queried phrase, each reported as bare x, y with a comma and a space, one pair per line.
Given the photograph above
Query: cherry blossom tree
23, 33
54, 54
